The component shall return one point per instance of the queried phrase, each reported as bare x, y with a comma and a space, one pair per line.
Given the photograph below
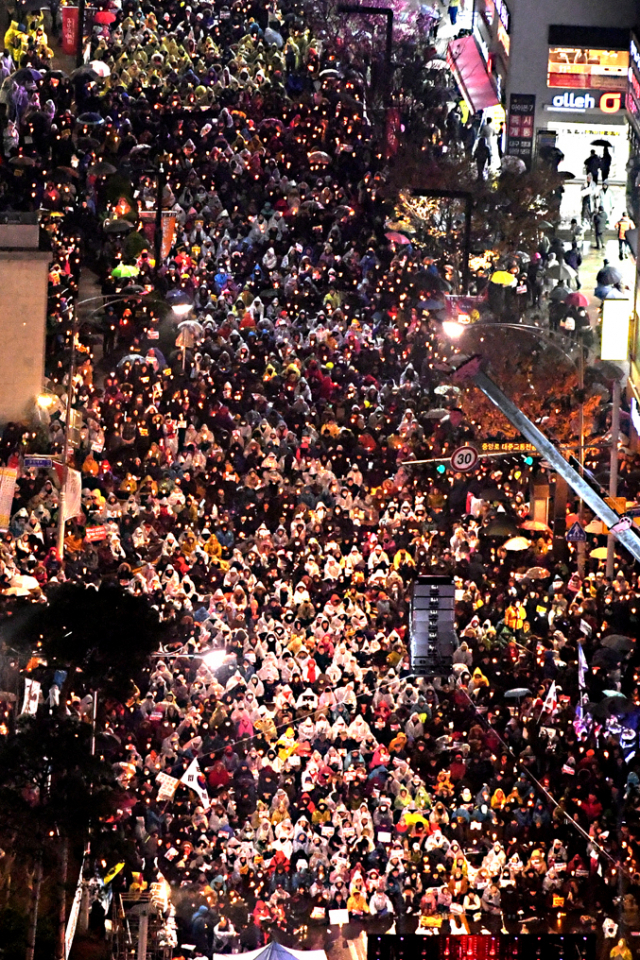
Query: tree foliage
49, 782
507, 209
537, 376
107, 635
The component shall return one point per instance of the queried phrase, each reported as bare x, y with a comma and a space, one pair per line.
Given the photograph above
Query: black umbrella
86, 71
606, 371
61, 176
26, 75
618, 643
607, 276
102, 169
493, 493
90, 119
177, 297
500, 528
69, 171
118, 226
605, 657
600, 143
609, 707
87, 144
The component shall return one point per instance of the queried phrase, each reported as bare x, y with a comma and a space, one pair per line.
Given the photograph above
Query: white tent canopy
275, 951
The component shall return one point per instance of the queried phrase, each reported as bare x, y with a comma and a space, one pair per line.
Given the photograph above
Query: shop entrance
575, 141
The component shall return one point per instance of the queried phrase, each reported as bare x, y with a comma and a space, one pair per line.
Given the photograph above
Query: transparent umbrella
517, 543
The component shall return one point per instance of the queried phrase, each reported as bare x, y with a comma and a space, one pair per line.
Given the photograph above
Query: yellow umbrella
596, 526
517, 543
503, 278
414, 818
600, 553
402, 226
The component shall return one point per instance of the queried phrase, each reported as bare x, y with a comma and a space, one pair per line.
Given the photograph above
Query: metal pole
94, 718
613, 470
65, 448
85, 903
582, 547
143, 932
560, 546
35, 904
162, 179
62, 904
80, 37
468, 209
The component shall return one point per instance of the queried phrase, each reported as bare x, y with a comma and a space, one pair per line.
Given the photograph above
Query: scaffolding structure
140, 929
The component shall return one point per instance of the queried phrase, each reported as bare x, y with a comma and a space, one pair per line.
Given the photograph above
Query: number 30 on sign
464, 458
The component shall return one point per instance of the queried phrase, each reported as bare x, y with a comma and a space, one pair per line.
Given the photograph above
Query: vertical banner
73, 494
520, 127
69, 30
31, 698
168, 232
74, 914
393, 129
169, 224
8, 477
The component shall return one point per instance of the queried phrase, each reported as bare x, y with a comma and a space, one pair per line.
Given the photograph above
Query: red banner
95, 533
393, 132
69, 30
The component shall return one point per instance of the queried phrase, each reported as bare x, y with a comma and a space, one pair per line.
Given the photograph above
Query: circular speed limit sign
464, 458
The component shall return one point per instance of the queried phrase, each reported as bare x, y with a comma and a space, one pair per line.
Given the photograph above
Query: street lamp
213, 658
454, 330
181, 309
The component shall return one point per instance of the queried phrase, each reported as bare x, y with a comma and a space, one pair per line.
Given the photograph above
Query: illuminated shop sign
580, 68
573, 102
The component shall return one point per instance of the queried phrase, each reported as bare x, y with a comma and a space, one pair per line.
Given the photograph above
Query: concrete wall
530, 20
23, 306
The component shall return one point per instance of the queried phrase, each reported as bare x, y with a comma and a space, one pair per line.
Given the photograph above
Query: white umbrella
190, 332
561, 271
101, 68
513, 164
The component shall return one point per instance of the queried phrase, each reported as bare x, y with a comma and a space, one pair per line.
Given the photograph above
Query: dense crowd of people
248, 469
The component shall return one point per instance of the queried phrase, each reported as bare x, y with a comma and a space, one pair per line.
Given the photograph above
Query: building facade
569, 75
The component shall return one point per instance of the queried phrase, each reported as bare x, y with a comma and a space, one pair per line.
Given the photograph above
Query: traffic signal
432, 638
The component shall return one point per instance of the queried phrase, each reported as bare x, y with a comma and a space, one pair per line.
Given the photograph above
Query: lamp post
455, 330
467, 196
613, 471
60, 530
180, 309
80, 36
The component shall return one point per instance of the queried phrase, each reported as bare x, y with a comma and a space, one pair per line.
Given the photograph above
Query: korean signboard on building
520, 128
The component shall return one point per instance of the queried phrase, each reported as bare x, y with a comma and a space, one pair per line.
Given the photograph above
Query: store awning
466, 63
